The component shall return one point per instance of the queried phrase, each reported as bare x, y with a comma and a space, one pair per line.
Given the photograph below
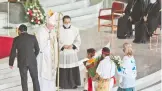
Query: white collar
107, 57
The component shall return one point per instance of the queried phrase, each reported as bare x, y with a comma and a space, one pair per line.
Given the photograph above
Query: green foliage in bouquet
34, 12
92, 65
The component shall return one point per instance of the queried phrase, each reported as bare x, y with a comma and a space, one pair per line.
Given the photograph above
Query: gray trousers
34, 75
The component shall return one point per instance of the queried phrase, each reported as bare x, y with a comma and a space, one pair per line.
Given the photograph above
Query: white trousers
47, 85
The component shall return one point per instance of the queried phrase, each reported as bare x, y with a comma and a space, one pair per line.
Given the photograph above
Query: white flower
32, 20
115, 57
38, 18
118, 57
38, 10
28, 9
37, 15
34, 11
120, 62
27, 13
31, 6
42, 17
33, 14
38, 22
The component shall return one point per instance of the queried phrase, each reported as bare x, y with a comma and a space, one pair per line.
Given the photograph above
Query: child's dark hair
91, 50
106, 51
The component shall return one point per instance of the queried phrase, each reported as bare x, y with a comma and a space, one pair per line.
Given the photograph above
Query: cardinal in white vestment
69, 43
48, 56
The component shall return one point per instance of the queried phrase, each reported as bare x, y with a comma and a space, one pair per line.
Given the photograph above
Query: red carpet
5, 46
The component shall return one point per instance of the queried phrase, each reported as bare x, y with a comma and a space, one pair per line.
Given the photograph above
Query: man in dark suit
26, 48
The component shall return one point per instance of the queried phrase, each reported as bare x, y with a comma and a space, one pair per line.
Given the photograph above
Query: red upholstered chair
115, 12
5, 46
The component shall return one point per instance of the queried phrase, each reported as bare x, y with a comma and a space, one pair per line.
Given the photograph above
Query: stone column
3, 19
16, 14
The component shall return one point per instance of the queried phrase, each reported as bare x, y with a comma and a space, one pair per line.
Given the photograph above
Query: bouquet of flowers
35, 13
117, 60
91, 66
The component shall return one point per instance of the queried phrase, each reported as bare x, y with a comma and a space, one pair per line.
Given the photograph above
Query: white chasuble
68, 57
47, 57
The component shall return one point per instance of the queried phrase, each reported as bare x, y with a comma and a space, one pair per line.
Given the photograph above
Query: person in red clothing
88, 80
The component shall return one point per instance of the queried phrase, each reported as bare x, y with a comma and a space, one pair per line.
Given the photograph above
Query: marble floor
148, 61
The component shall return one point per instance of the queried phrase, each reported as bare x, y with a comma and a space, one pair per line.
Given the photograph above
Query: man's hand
11, 67
130, 18
70, 47
145, 18
66, 46
93, 79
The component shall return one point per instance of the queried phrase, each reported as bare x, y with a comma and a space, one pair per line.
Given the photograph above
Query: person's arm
61, 45
128, 7
84, 63
36, 46
96, 77
13, 53
127, 72
145, 9
77, 41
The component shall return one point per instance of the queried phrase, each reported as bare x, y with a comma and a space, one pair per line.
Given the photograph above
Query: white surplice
68, 57
47, 58
106, 70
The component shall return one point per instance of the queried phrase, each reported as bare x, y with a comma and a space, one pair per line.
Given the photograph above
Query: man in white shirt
69, 43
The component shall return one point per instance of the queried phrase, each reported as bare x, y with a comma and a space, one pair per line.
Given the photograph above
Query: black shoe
75, 87
129, 37
135, 41
143, 41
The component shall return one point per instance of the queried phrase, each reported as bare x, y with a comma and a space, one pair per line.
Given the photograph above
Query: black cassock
153, 16
124, 29
144, 29
159, 19
133, 10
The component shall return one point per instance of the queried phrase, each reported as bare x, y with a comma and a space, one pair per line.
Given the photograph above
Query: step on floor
156, 87
50, 3
84, 11
69, 6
